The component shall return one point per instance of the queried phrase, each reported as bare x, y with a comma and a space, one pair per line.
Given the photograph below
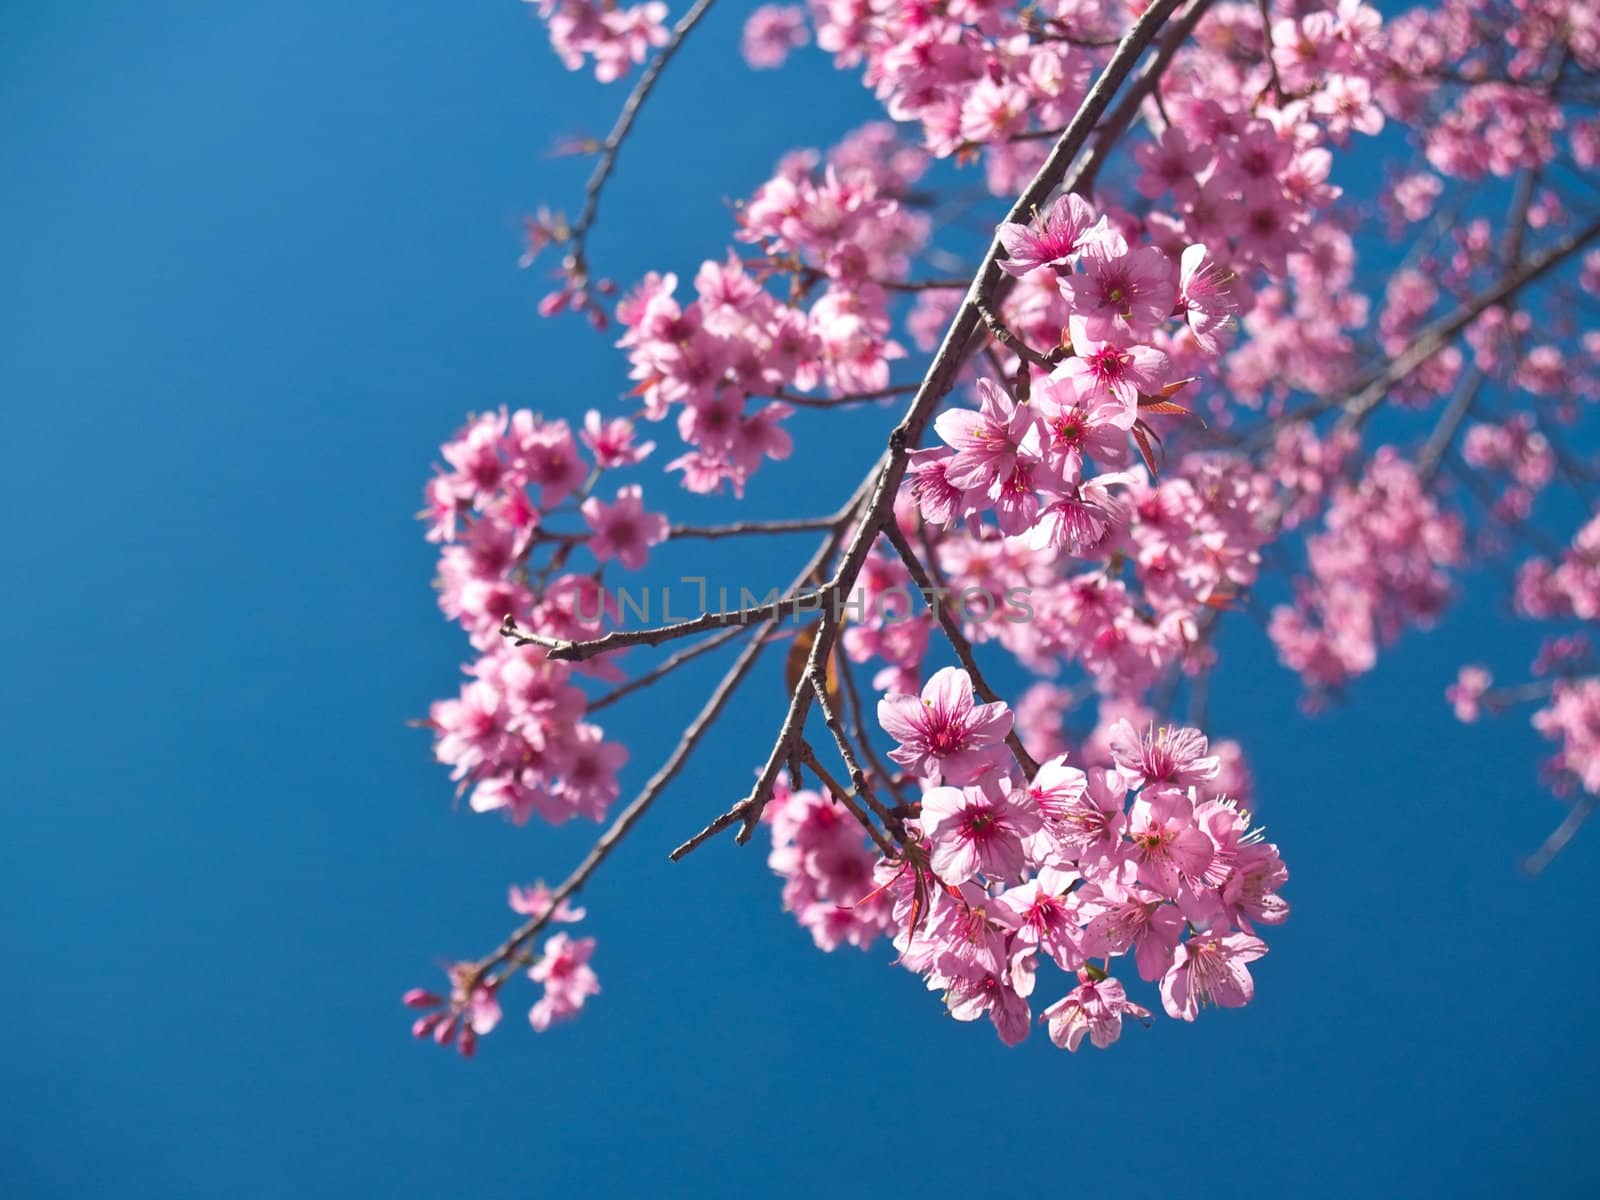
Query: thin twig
666, 668
847, 752
1560, 836
629, 816
619, 133
847, 798
739, 528
563, 650
883, 393
1015, 344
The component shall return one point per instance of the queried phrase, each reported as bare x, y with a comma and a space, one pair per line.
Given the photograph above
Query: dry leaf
794, 667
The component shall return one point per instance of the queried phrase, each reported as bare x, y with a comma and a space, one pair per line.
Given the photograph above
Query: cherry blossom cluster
516, 734
837, 224
616, 38
471, 1007
1379, 564
1000, 873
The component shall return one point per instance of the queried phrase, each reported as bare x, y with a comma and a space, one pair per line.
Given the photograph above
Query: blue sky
259, 259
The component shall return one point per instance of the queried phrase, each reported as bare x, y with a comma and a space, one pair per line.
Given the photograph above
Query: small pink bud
421, 998
423, 1026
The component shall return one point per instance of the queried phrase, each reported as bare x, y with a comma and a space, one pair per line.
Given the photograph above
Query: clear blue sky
258, 260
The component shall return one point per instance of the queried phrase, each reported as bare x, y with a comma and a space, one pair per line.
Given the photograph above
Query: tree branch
575, 260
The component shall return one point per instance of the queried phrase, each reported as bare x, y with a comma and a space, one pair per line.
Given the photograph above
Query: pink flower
1076, 428
987, 442
1095, 1007
1467, 691
1205, 295
1164, 755
1119, 293
1102, 369
1083, 812
1051, 239
1123, 916
978, 829
1170, 164
969, 999
534, 900
1169, 848
612, 442
943, 732
771, 32
938, 500
568, 980
1209, 969
623, 529
546, 456
1043, 917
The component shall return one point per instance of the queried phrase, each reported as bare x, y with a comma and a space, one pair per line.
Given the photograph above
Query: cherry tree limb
628, 817
619, 133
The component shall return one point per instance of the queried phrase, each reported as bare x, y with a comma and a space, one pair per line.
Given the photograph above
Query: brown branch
629, 816
884, 393
847, 752
1560, 836
739, 528
562, 650
666, 668
846, 797
1082, 180
1460, 406
853, 701
1015, 344
1364, 397
619, 132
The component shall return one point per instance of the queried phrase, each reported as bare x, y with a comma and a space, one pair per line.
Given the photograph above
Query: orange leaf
794, 667
1142, 435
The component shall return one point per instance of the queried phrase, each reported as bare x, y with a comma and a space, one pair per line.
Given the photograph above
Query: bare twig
629, 816
739, 528
666, 668
1561, 835
576, 262
1362, 398
884, 393
562, 650
1015, 344
847, 798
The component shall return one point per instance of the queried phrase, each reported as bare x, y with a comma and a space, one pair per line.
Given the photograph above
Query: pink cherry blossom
1210, 969
978, 829
942, 732
1094, 1007
568, 980
623, 529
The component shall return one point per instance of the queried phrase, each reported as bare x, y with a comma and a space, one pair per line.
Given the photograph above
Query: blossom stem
619, 133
